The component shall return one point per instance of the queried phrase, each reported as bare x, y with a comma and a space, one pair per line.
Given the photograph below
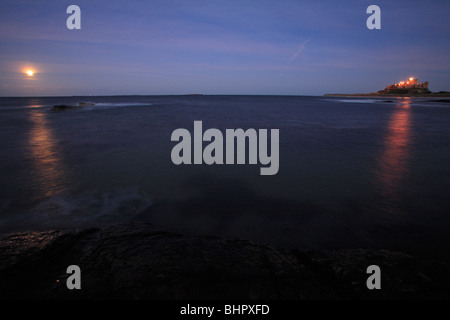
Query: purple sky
221, 47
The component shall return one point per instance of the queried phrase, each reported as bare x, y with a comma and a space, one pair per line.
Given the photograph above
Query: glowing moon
30, 73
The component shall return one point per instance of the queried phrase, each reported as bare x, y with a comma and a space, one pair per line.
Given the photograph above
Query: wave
112, 105
122, 104
96, 106
359, 100
28, 107
86, 209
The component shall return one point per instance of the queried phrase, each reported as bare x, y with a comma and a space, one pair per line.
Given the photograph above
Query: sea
371, 173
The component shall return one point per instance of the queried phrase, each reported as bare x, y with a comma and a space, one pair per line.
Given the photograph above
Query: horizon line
180, 94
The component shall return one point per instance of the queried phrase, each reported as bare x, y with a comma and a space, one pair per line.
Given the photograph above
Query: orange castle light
410, 84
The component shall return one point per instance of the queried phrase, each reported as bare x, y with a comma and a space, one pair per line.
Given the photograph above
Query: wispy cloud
300, 50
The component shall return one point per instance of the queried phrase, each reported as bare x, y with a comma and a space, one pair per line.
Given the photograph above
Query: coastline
140, 261
429, 95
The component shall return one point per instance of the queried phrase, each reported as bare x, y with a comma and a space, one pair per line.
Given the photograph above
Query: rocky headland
408, 88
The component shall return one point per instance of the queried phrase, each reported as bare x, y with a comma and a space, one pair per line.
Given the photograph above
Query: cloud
300, 49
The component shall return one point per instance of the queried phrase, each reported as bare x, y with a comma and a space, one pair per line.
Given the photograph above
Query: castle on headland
410, 86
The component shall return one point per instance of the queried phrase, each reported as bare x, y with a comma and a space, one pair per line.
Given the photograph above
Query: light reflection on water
394, 160
50, 176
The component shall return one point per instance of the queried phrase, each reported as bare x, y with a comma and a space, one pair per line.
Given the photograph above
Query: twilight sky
221, 47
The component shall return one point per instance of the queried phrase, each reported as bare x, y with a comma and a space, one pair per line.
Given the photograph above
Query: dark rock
63, 107
86, 103
138, 261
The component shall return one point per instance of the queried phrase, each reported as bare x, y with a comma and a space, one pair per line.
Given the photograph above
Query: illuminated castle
410, 86
412, 83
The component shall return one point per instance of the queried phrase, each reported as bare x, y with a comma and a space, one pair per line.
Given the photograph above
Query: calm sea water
370, 173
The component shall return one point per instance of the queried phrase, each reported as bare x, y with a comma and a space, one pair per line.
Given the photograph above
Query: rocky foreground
138, 261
